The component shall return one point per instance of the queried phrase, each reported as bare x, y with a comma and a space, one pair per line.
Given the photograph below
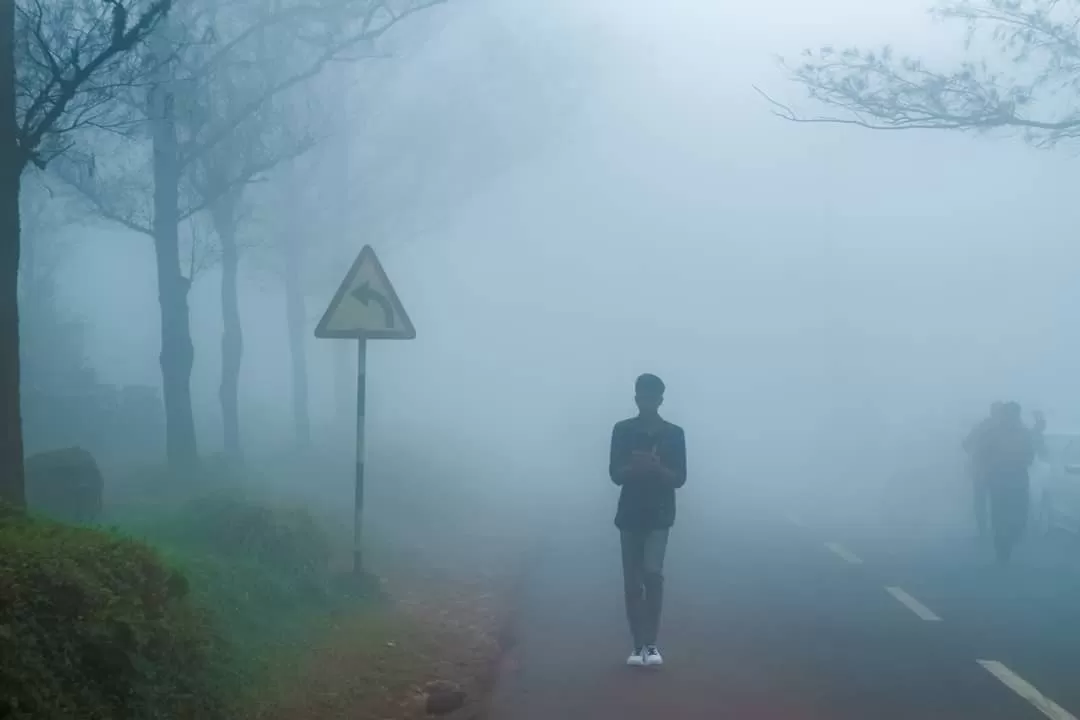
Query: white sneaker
637, 658
653, 657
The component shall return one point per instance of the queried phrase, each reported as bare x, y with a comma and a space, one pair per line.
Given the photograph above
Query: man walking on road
648, 461
973, 446
1011, 452
1004, 452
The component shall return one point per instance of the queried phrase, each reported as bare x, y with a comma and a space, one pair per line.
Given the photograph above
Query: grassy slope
93, 625
266, 605
296, 652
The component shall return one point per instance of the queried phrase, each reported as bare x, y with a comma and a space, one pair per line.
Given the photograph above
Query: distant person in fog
1007, 451
1038, 433
648, 461
973, 443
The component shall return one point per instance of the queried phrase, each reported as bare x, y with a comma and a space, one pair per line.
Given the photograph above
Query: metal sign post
365, 307
361, 411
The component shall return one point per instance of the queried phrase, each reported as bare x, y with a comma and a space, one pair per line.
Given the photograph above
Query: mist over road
772, 615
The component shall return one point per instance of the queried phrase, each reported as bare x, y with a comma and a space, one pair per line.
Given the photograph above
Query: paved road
769, 615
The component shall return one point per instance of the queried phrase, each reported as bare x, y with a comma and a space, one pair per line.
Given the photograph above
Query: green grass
261, 572
180, 610
94, 625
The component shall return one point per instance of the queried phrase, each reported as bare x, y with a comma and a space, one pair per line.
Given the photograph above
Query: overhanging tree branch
366, 35
880, 91
268, 21
98, 198
61, 52
110, 199
213, 186
105, 209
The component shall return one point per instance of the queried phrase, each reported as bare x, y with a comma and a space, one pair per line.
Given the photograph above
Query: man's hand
642, 460
635, 468
647, 465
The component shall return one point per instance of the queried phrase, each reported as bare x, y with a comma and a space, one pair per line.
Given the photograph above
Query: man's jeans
643, 579
1010, 498
982, 505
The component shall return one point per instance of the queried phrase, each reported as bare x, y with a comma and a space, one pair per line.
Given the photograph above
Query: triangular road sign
366, 306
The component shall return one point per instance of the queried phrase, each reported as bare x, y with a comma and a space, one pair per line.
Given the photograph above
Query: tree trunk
232, 338
12, 485
343, 363
177, 351
295, 313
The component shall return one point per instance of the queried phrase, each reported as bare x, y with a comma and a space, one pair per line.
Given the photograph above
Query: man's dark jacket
647, 503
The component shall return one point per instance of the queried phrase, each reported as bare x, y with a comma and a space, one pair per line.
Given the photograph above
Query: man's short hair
649, 384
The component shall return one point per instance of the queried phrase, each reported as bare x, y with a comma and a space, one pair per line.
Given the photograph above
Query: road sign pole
358, 508
365, 307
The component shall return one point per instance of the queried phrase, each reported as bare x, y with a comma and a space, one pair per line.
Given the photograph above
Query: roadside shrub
97, 626
261, 571
284, 541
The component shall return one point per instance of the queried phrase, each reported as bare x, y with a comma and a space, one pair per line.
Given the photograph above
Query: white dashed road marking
913, 605
1021, 687
843, 553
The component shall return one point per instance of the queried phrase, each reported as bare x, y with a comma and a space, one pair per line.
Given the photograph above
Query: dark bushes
95, 626
181, 614
262, 571
284, 539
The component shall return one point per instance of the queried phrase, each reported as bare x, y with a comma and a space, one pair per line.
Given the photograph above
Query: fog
569, 193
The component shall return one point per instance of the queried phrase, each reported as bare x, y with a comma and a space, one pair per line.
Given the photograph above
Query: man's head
1012, 412
649, 393
997, 410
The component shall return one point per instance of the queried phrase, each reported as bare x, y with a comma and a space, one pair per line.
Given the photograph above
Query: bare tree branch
366, 35
121, 197
879, 91
203, 252
106, 210
219, 118
103, 204
268, 21
216, 183
62, 49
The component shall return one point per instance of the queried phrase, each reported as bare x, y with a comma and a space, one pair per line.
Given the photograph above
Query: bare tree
266, 138
325, 215
60, 63
303, 216
1036, 94
189, 57
261, 142
291, 252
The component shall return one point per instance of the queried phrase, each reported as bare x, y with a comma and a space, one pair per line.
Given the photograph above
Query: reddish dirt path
441, 625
